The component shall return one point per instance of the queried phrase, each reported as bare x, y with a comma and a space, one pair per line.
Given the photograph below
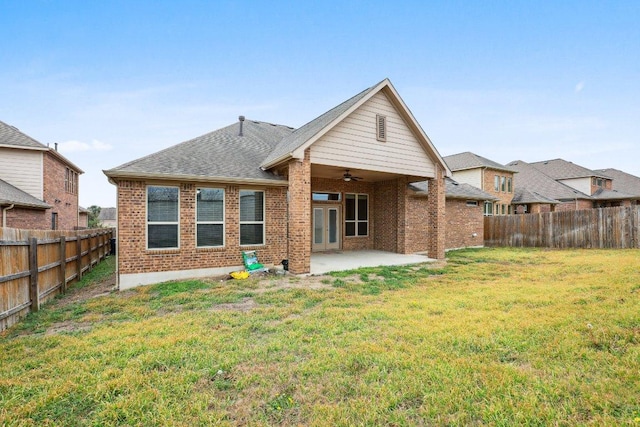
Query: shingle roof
10, 135
221, 153
531, 178
562, 169
524, 195
455, 190
622, 181
604, 194
12, 195
307, 131
468, 160
107, 214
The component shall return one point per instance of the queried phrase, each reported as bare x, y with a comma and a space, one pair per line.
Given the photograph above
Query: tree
94, 212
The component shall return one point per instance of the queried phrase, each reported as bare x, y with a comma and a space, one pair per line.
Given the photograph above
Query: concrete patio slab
324, 262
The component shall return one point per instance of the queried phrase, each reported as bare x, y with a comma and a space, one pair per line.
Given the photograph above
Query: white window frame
224, 213
486, 206
356, 221
263, 222
146, 219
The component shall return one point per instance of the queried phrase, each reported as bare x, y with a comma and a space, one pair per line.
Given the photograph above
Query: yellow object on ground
240, 274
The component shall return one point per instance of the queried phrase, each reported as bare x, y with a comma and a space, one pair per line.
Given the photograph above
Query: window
503, 209
488, 209
356, 215
472, 203
509, 209
251, 217
162, 217
509, 185
71, 181
381, 128
496, 183
209, 217
54, 220
503, 183
323, 197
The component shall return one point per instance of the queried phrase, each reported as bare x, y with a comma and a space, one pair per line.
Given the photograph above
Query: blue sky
112, 81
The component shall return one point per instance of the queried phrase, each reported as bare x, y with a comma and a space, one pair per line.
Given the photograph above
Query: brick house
464, 213
555, 185
38, 186
340, 182
491, 177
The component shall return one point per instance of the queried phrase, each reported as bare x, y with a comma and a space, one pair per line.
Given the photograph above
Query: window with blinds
209, 217
162, 217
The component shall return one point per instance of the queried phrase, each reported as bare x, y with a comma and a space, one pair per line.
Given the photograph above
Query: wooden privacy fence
37, 265
593, 228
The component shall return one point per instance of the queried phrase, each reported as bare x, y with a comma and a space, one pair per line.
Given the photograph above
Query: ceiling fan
348, 177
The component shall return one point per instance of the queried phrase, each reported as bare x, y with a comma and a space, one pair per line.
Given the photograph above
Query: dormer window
381, 128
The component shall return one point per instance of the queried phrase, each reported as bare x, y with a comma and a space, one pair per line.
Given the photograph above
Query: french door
326, 228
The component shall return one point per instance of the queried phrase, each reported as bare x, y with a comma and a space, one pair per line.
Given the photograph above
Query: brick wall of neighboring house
503, 196
133, 257
63, 202
573, 205
465, 224
28, 219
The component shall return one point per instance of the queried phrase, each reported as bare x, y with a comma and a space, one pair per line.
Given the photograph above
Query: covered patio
324, 262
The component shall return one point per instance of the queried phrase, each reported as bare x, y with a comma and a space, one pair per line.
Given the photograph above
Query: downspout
4, 214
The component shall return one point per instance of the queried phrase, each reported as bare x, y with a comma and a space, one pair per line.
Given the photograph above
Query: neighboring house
83, 217
47, 177
561, 185
108, 218
340, 182
464, 213
487, 175
623, 182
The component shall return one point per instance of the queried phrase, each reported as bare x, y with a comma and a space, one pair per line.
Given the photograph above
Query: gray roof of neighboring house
10, 135
524, 195
10, 195
537, 182
455, 190
562, 169
221, 153
604, 194
307, 131
468, 160
107, 214
622, 181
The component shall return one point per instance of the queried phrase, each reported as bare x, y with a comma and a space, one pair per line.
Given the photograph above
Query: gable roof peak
294, 145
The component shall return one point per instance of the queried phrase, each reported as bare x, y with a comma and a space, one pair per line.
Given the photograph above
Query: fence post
33, 278
79, 258
90, 252
63, 264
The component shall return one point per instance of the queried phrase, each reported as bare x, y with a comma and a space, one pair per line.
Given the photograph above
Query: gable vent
381, 128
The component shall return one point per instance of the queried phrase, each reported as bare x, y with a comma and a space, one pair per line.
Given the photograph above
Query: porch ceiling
336, 172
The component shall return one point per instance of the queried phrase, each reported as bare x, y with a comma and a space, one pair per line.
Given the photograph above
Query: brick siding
133, 257
462, 223
66, 205
28, 219
504, 197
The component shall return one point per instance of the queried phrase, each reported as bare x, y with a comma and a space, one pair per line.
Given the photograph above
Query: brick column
300, 215
401, 209
436, 207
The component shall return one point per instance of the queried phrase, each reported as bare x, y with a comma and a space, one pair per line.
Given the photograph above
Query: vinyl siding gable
22, 169
470, 176
353, 143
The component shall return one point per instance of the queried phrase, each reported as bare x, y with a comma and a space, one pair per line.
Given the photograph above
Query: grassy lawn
497, 336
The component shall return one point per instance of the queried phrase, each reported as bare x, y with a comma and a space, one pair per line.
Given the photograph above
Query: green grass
497, 337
